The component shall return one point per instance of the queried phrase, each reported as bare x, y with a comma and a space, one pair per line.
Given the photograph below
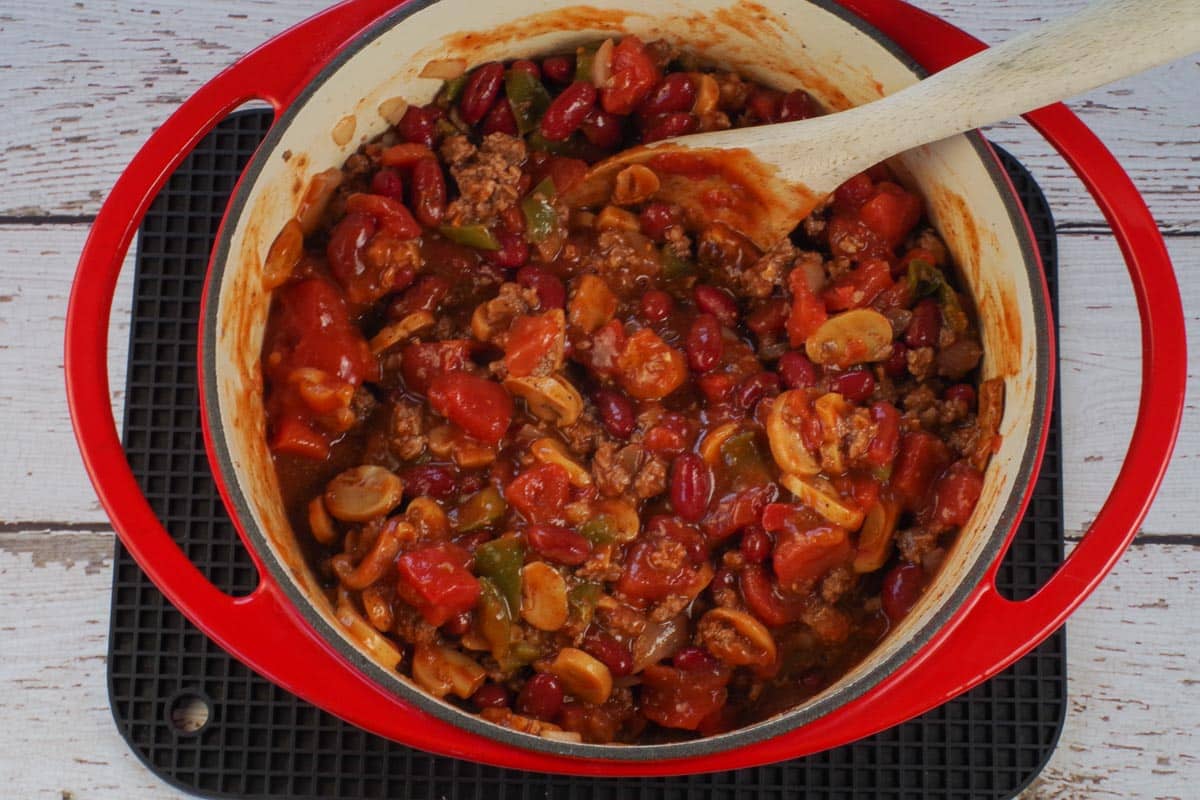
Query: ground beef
488, 179
957, 359
668, 556
670, 607
623, 620
617, 470
860, 430
410, 626
915, 543
492, 319
761, 277
406, 435
733, 91
457, 150
585, 435
623, 260
678, 242
920, 362
651, 479
837, 583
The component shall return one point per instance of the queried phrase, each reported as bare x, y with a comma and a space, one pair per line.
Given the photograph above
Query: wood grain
79, 106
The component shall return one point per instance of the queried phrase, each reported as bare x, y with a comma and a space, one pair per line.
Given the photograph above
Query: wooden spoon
763, 181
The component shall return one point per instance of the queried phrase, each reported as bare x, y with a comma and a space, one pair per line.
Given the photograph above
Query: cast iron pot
332, 73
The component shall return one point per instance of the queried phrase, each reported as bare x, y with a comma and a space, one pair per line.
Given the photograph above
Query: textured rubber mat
208, 725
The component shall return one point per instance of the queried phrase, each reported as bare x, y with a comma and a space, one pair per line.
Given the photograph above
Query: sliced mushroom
821, 497
551, 398
448, 442
875, 538
316, 198
737, 638
442, 671
320, 523
832, 409
543, 596
614, 218
284, 255
852, 337
708, 93
788, 413
397, 332
634, 184
626, 524
361, 631
552, 451
710, 446
428, 518
363, 493
582, 675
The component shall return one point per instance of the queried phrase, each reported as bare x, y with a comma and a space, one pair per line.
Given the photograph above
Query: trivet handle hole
188, 712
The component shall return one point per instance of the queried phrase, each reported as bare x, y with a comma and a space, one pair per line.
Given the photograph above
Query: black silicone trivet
259, 741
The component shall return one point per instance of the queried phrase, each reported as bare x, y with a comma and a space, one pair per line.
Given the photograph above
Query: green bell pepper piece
581, 601
541, 220
500, 560
477, 236
743, 460
585, 56
495, 618
485, 507
926, 279
598, 530
451, 90
674, 266
527, 97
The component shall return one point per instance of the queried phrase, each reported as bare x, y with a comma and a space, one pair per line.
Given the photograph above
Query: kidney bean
419, 125
765, 104
541, 697
657, 217
513, 252
528, 67
558, 544
704, 343
725, 578
902, 588
756, 544
926, 321
425, 295
428, 191
665, 126
500, 120
388, 183
718, 302
613, 654
567, 111
550, 290
796, 371
480, 92
458, 624
351, 232
756, 387
691, 486
897, 363
855, 385
559, 69
602, 129
963, 392
490, 695
795, 105
676, 92
693, 659
429, 480
769, 319
616, 413
656, 305
955, 495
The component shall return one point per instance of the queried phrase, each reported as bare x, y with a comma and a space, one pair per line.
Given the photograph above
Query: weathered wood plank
77, 107
1101, 360
1126, 735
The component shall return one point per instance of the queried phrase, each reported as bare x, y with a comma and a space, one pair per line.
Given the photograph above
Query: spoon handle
1102, 43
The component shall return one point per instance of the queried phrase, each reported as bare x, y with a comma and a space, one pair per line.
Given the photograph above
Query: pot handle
995, 631
262, 628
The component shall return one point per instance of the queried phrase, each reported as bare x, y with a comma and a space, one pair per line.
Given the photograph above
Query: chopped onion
602, 65
660, 640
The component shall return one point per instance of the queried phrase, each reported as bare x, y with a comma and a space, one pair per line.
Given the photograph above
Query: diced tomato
922, 456
310, 326
955, 494
295, 438
439, 580
540, 492
861, 490
763, 598
851, 237
421, 362
564, 172
649, 368
886, 441
736, 511
859, 287
533, 341
664, 561
391, 215
633, 76
891, 213
482, 408
802, 557
676, 698
850, 196
808, 312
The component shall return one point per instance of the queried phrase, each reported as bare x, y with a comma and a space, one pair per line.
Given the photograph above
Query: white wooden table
83, 83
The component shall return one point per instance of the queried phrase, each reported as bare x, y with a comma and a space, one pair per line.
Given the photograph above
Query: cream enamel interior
792, 40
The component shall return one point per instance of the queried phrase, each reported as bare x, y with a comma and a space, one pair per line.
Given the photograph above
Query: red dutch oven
333, 73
